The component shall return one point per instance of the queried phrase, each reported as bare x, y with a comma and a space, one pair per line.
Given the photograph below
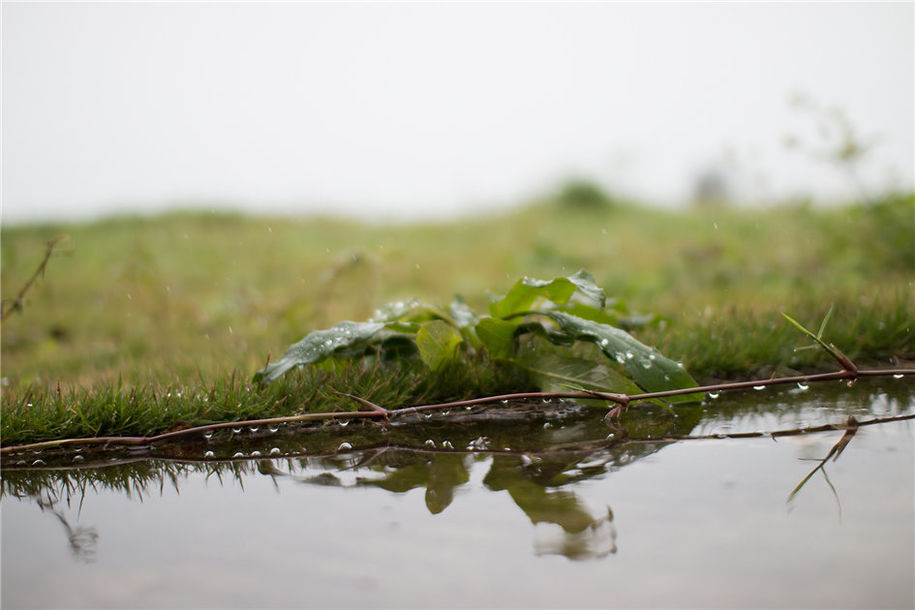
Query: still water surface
559, 512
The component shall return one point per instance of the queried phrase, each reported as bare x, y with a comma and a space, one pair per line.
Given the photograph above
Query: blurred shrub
583, 194
890, 226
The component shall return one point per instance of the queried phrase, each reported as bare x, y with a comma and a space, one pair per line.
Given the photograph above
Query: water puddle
559, 511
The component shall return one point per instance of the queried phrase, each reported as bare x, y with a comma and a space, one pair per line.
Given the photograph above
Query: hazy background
433, 110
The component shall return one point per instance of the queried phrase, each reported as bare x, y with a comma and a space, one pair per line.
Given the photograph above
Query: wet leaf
529, 293
497, 336
319, 345
651, 370
437, 342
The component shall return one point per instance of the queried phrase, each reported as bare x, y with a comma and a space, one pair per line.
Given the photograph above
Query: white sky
434, 109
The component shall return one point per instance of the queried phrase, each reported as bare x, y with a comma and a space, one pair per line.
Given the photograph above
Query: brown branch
376, 411
16, 304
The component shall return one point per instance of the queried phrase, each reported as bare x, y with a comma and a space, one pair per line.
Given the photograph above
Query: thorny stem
375, 411
586, 446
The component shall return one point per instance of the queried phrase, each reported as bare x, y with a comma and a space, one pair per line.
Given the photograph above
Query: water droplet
427, 415
344, 446
273, 428
344, 422
646, 363
504, 402
209, 454
275, 451
759, 387
802, 386
545, 401
714, 395
468, 408
547, 426
78, 458
28, 404
236, 430
255, 453
208, 434
620, 357
429, 443
898, 376
238, 454
604, 342
38, 462
446, 412
851, 383
629, 355
447, 445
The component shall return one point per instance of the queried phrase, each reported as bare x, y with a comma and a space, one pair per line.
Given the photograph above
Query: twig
376, 411
16, 304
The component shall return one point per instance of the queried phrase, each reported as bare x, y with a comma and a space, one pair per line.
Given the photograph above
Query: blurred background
436, 110
714, 164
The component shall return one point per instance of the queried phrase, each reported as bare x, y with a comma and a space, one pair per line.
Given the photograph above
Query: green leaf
497, 336
462, 315
555, 372
319, 345
528, 292
437, 342
651, 370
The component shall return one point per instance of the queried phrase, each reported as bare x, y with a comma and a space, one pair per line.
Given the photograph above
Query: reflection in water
539, 466
83, 540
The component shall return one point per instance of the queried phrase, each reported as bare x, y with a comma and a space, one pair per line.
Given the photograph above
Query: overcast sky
401, 109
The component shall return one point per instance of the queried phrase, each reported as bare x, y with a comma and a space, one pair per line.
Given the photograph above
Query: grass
134, 311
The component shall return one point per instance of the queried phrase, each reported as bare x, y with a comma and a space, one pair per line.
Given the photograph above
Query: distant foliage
584, 194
